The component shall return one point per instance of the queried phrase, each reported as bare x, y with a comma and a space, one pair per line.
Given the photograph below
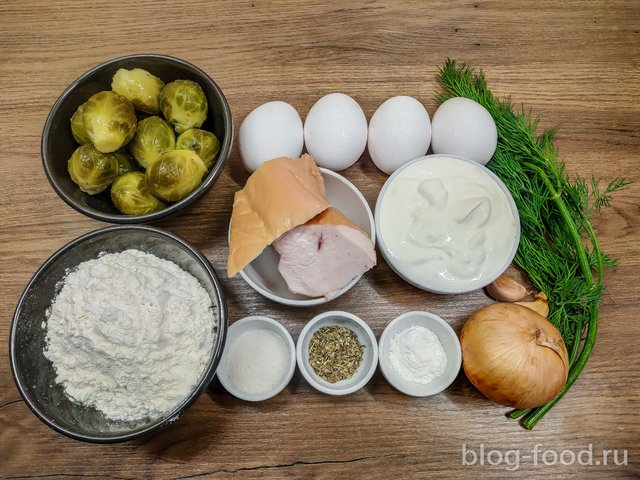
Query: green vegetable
91, 169
130, 194
184, 104
175, 175
126, 163
204, 143
558, 246
153, 137
110, 120
139, 87
78, 129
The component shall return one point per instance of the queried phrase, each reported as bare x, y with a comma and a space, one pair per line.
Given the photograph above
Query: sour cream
446, 224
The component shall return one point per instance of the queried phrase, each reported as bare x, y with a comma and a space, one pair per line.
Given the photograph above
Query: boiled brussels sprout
126, 163
130, 194
91, 169
78, 129
204, 143
175, 175
139, 87
153, 137
110, 120
184, 104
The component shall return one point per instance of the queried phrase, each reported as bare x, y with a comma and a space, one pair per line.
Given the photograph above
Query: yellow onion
514, 355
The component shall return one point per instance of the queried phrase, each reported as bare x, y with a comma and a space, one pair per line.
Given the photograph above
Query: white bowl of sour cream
446, 224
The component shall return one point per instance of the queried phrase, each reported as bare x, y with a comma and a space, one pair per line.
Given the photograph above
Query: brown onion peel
513, 355
539, 305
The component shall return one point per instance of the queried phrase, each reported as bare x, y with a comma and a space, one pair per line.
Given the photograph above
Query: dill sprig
558, 246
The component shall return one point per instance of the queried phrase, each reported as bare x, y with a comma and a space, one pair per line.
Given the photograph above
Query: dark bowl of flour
118, 333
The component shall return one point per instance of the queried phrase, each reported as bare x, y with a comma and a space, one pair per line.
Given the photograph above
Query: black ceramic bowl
58, 144
34, 373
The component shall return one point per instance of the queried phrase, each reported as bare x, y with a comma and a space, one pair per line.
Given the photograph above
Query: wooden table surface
576, 64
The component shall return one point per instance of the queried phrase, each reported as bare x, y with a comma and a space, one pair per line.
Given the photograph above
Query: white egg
464, 128
399, 131
272, 130
335, 131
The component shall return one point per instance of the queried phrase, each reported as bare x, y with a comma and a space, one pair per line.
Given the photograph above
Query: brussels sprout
110, 120
184, 104
153, 137
126, 163
130, 194
78, 129
139, 87
91, 169
204, 143
175, 175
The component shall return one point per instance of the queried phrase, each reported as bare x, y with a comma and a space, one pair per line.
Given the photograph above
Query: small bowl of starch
259, 359
419, 354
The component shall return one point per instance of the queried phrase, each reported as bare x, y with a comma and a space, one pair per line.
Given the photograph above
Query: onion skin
539, 305
514, 355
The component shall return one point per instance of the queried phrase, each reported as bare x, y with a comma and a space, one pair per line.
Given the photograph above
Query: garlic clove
506, 289
539, 305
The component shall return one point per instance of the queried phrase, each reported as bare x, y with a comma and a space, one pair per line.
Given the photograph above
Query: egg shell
399, 131
464, 128
335, 131
272, 130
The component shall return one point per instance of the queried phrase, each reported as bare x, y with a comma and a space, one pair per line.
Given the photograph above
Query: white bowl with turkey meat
263, 275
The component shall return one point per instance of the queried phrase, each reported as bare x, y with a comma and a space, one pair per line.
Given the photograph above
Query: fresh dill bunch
558, 247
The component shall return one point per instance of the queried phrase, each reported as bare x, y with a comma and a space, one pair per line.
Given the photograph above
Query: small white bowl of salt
259, 359
419, 354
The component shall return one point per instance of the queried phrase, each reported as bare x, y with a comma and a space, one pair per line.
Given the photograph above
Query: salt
257, 361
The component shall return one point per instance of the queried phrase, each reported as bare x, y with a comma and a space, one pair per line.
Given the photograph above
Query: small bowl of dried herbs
337, 353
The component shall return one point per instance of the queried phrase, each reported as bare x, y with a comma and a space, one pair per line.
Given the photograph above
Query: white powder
256, 361
417, 355
130, 334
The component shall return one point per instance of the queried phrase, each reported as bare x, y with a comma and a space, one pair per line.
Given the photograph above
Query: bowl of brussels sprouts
137, 138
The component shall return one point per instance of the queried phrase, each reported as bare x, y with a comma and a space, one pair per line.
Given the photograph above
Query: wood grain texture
576, 64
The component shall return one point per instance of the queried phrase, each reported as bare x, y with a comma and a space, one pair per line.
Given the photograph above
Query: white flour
130, 334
